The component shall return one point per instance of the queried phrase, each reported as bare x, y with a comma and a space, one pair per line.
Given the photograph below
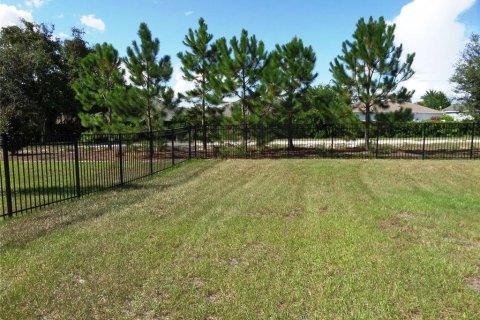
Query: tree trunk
367, 127
204, 126
150, 133
110, 120
244, 113
149, 102
149, 117
150, 140
290, 133
245, 132
44, 130
204, 122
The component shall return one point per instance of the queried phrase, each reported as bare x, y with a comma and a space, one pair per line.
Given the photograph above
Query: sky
436, 30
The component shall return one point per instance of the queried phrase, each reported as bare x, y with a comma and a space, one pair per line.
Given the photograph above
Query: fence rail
50, 169
57, 168
389, 141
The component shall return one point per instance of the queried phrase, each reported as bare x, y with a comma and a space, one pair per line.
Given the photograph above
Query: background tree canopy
50, 85
435, 99
467, 76
36, 72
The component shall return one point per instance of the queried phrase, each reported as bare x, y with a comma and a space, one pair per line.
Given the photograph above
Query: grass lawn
247, 239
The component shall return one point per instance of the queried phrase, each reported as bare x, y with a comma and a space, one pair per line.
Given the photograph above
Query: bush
427, 128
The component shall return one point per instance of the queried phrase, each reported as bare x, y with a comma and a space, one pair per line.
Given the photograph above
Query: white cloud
180, 85
10, 15
61, 16
63, 35
188, 13
127, 74
93, 22
431, 30
35, 3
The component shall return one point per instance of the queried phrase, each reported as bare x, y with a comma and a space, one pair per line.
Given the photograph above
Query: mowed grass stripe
255, 239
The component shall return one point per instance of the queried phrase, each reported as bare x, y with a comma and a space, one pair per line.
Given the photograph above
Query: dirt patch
198, 282
323, 210
473, 283
389, 224
233, 262
80, 280
262, 212
160, 295
197, 257
292, 213
405, 215
212, 297
393, 225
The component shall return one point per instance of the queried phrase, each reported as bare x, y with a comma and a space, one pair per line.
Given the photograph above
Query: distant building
457, 112
419, 112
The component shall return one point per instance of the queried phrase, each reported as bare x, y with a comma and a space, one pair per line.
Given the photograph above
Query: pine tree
100, 88
369, 69
149, 74
296, 64
242, 65
199, 67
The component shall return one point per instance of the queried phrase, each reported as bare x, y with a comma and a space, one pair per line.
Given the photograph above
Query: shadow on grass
16, 233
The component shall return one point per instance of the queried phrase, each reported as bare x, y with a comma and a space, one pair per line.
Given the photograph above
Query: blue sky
322, 24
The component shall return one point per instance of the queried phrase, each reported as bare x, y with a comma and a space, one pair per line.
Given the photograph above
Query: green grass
249, 239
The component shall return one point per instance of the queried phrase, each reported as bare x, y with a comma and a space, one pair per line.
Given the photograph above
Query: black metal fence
50, 169
426, 140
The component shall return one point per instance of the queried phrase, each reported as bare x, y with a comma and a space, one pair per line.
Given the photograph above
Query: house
457, 112
419, 112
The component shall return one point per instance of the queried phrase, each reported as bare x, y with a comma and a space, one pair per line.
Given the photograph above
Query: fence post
195, 140
173, 149
77, 166
473, 140
378, 135
189, 142
120, 157
423, 134
150, 142
6, 166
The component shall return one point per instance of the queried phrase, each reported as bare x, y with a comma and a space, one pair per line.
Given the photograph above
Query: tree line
52, 86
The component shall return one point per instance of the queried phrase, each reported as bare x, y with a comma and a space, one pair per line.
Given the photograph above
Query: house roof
393, 106
455, 108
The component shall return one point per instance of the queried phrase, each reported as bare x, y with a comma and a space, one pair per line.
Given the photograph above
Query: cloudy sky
435, 29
